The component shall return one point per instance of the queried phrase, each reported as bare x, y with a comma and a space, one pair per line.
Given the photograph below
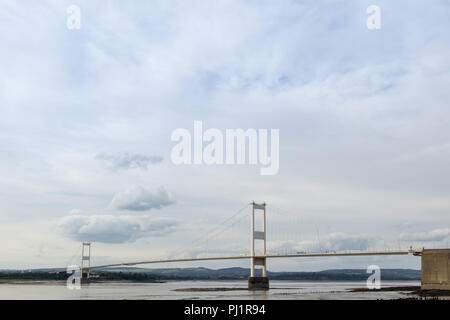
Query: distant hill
386, 274
144, 274
242, 273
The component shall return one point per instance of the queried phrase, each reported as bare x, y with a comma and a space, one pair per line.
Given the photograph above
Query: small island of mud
209, 289
410, 290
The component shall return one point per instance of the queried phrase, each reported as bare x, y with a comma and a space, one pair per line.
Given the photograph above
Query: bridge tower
85, 256
258, 283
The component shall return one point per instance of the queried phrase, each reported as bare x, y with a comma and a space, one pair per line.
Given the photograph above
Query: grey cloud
113, 229
138, 198
338, 241
434, 235
127, 161
201, 252
344, 241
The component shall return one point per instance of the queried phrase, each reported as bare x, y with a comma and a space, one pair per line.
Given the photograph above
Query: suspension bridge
256, 259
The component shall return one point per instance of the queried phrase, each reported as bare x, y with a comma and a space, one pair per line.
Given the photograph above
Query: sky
86, 118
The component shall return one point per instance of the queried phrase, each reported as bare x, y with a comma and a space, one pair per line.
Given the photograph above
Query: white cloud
127, 161
138, 198
338, 241
113, 229
434, 235
343, 241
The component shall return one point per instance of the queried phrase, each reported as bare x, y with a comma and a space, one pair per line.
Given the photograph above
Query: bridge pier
85, 256
258, 283
435, 269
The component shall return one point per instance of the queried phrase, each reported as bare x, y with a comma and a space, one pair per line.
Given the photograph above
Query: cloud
138, 198
127, 161
343, 241
338, 241
435, 235
113, 229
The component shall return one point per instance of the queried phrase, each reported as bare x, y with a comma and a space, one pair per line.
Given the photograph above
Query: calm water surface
122, 290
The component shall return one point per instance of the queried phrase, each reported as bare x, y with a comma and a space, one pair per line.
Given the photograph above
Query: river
193, 290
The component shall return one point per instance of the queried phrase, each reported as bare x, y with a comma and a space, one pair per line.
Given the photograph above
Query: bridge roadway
298, 255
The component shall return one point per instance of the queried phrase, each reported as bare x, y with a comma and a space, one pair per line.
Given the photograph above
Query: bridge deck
299, 255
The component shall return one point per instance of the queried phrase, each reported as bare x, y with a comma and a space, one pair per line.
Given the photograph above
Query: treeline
33, 276
159, 277
111, 276
144, 276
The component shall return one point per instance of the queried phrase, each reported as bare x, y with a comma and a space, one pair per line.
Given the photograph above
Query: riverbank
411, 290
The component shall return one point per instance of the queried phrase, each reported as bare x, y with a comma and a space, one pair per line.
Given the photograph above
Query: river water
193, 290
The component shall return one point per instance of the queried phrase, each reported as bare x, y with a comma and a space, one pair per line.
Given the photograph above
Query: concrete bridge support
85, 256
258, 283
436, 269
